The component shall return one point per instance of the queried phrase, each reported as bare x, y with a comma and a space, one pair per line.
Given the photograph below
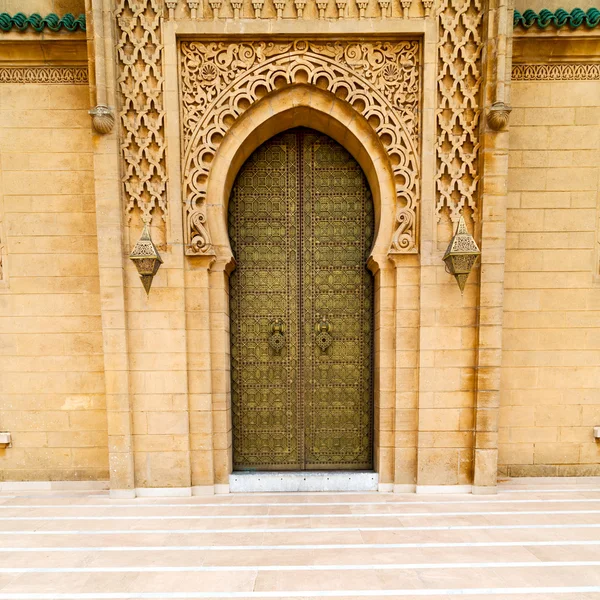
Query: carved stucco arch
297, 106
373, 85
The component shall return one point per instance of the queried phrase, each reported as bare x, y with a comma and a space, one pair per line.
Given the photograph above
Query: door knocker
277, 337
323, 338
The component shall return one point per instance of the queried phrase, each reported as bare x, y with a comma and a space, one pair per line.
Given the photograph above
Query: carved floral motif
557, 72
221, 80
49, 75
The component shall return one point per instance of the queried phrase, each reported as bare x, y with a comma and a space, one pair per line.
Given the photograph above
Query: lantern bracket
146, 258
462, 254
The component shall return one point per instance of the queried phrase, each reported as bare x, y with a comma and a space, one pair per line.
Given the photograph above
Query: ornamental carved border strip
220, 80
140, 81
48, 75
557, 72
458, 111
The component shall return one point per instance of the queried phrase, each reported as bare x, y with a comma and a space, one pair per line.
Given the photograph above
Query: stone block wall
154, 370
158, 375
551, 359
51, 361
447, 378
43, 7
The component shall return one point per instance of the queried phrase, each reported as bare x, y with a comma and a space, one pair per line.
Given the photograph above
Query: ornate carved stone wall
220, 80
459, 81
140, 82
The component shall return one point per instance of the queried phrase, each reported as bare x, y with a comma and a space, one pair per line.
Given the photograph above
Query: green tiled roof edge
38, 23
559, 18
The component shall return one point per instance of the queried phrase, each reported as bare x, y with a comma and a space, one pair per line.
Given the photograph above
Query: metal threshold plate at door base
303, 481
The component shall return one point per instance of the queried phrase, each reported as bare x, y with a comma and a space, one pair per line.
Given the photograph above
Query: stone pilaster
494, 191
111, 251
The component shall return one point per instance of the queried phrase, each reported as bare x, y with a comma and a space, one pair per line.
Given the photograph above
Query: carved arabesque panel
220, 80
141, 82
458, 111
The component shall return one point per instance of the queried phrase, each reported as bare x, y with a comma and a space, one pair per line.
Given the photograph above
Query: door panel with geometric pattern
301, 306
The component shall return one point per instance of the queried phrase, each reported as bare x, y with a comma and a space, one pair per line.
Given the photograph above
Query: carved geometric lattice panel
141, 82
220, 80
458, 110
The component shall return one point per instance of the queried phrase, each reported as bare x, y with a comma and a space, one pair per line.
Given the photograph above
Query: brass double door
301, 305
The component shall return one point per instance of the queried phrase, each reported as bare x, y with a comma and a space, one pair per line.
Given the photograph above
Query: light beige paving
544, 543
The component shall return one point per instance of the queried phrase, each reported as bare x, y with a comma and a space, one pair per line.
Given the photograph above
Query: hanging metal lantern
146, 258
462, 254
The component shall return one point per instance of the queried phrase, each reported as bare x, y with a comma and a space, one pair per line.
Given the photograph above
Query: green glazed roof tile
559, 18
38, 23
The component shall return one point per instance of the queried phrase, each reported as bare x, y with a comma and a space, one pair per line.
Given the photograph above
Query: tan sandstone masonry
551, 359
166, 356
177, 338
207, 378
444, 404
315, 68
43, 7
52, 365
151, 408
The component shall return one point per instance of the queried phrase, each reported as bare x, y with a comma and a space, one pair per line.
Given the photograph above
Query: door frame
295, 106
